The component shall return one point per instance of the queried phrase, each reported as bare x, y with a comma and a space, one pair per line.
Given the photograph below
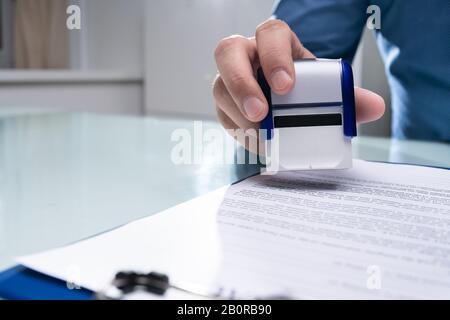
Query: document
376, 231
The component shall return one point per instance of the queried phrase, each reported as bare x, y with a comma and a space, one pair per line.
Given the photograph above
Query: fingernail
280, 80
253, 107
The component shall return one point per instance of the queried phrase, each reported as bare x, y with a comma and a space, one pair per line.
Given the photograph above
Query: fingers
369, 105
240, 101
277, 47
226, 104
226, 122
248, 138
234, 56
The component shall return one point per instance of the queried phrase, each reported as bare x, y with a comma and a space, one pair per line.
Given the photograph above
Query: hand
240, 103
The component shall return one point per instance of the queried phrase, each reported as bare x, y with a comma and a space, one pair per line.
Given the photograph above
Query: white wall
373, 77
113, 34
180, 39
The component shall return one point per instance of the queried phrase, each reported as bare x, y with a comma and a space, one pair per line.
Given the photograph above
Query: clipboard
21, 283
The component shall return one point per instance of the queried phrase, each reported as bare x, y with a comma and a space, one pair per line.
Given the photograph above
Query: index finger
277, 47
234, 58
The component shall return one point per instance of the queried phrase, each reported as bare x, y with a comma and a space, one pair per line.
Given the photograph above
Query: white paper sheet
374, 231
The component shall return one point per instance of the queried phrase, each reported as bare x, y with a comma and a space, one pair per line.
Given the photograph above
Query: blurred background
135, 57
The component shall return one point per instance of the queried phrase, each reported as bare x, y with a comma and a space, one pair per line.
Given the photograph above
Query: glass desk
65, 177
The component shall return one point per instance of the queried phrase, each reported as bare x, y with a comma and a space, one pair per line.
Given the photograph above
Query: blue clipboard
21, 283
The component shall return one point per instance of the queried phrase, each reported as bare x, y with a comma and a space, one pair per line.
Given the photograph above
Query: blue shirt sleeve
328, 28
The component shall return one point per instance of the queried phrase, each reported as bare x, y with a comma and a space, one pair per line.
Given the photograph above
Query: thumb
369, 105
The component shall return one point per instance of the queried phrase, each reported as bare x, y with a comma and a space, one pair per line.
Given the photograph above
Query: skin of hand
240, 102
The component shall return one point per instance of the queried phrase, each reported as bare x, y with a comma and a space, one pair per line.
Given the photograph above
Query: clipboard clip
126, 282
